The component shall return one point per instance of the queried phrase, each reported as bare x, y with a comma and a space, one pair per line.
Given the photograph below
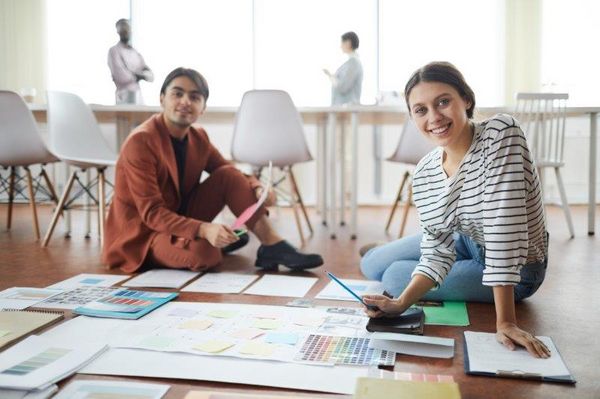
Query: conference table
332, 124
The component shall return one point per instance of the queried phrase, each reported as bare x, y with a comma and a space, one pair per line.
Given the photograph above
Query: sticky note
196, 324
181, 312
287, 338
267, 324
4, 332
309, 321
213, 346
257, 349
247, 333
268, 315
156, 342
222, 314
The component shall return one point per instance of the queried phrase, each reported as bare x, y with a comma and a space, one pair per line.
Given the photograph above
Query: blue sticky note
91, 281
287, 338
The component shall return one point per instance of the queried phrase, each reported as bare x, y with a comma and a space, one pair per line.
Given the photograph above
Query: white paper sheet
145, 363
276, 285
36, 362
489, 356
162, 278
361, 287
221, 283
23, 297
35, 394
80, 389
416, 345
89, 280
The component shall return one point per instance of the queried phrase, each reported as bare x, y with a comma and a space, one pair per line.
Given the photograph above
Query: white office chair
22, 146
543, 117
76, 139
412, 146
267, 128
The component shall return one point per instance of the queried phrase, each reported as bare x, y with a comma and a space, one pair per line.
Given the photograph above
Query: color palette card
112, 390
89, 280
328, 349
23, 297
36, 362
76, 297
126, 304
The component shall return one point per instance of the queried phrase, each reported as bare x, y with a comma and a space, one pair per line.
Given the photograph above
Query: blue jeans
393, 264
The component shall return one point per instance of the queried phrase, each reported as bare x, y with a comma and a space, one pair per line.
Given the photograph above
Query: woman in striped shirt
480, 208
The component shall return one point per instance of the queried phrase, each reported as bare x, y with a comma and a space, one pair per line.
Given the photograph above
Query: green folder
451, 314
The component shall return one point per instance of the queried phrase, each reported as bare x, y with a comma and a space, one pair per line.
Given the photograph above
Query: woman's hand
387, 307
510, 335
218, 235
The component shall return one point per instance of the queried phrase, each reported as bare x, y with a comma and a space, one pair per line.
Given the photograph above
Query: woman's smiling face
439, 112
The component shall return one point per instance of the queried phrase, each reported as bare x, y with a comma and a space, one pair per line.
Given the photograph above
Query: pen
344, 286
239, 232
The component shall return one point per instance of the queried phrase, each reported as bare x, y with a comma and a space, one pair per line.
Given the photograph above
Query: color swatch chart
43, 359
124, 299
343, 350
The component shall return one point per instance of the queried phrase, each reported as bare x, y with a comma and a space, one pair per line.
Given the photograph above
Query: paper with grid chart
221, 283
89, 280
162, 278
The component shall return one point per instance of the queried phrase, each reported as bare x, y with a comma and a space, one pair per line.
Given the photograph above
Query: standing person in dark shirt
161, 215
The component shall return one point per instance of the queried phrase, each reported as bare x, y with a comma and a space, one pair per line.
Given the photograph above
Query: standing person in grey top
346, 83
127, 67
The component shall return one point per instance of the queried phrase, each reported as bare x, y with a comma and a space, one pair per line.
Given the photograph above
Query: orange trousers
225, 186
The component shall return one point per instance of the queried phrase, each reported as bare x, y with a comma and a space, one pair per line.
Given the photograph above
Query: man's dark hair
192, 74
121, 21
352, 38
442, 72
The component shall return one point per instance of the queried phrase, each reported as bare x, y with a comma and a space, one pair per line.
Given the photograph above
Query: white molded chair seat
268, 128
21, 145
76, 138
411, 148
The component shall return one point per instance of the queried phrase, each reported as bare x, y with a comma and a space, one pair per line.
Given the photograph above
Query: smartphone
358, 298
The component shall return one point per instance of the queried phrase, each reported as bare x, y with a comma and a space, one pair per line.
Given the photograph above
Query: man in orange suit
162, 216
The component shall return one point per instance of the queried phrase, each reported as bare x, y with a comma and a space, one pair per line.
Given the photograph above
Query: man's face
124, 31
182, 102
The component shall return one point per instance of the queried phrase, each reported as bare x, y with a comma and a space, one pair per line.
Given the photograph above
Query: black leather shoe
269, 257
234, 246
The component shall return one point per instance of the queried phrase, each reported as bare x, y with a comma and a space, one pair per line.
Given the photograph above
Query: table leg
592, 177
354, 161
332, 181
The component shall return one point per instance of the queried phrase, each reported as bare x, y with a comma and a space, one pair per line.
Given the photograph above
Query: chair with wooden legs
542, 117
22, 146
412, 146
267, 128
76, 139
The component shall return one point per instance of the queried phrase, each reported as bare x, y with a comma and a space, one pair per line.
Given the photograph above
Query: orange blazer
146, 193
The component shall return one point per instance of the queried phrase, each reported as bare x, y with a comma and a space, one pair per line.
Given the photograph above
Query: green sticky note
157, 342
222, 314
4, 332
451, 314
267, 324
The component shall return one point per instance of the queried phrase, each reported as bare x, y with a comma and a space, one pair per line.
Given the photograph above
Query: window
467, 33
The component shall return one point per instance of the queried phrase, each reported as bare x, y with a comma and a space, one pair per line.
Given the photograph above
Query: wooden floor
565, 307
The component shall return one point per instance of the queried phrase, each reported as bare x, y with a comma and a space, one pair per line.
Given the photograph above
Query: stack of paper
36, 363
374, 388
112, 389
277, 285
221, 283
162, 278
23, 297
361, 287
33, 394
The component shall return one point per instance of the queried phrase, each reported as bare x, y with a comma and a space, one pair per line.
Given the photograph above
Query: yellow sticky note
246, 333
213, 346
309, 321
257, 349
4, 332
196, 324
267, 324
222, 314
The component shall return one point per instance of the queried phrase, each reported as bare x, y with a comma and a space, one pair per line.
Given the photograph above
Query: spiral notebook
16, 324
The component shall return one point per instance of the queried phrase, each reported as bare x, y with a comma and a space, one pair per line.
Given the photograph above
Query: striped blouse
494, 197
